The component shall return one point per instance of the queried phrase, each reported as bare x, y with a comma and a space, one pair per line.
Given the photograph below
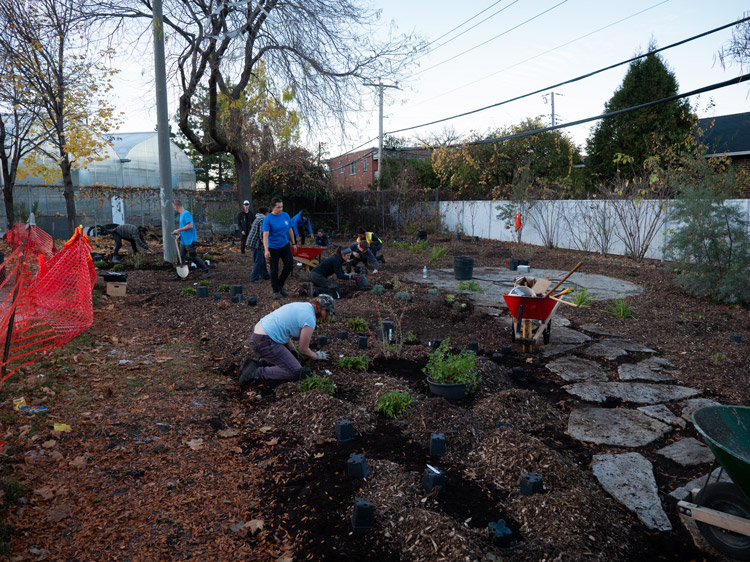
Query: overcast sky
521, 46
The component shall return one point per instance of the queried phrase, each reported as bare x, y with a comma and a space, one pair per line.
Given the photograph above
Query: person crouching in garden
272, 337
334, 265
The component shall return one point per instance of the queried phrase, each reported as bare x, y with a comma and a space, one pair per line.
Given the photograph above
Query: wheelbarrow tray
534, 308
726, 430
307, 253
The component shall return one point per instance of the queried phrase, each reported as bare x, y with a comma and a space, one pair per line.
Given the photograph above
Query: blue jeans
259, 266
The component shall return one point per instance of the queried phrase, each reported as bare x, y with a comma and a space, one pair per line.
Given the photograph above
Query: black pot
450, 391
502, 537
252, 301
364, 514
356, 466
463, 268
343, 334
201, 292
115, 277
344, 431
531, 484
217, 296
322, 341
513, 265
437, 444
431, 478
362, 342
237, 298
422, 235
236, 290
473, 346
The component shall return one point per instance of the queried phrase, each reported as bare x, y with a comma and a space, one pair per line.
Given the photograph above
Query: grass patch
470, 286
359, 363
393, 404
582, 298
224, 288
187, 292
620, 309
317, 382
438, 253
357, 324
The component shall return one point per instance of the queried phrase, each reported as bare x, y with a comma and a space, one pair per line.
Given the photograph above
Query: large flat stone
567, 335
629, 478
596, 330
605, 350
628, 345
637, 372
556, 349
637, 392
615, 426
687, 452
657, 363
663, 414
575, 369
691, 406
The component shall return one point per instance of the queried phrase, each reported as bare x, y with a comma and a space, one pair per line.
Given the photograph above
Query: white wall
574, 224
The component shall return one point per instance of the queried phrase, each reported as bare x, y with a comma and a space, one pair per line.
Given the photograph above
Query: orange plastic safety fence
46, 296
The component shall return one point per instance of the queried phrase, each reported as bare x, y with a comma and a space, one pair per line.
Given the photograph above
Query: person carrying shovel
188, 239
272, 337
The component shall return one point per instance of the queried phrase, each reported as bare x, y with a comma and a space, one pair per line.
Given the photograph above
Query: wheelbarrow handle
571, 272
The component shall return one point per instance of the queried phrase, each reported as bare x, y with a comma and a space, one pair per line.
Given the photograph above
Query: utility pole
380, 87
552, 104
162, 129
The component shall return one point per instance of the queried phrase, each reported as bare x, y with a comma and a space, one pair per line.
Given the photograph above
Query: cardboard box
117, 289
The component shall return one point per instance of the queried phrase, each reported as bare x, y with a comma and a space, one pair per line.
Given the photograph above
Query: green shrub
582, 298
402, 245
204, 283
450, 299
188, 291
357, 324
418, 247
208, 257
377, 290
718, 358
118, 267
447, 368
438, 252
323, 383
137, 260
620, 308
710, 243
393, 404
101, 264
224, 288
403, 296
470, 286
359, 363
433, 291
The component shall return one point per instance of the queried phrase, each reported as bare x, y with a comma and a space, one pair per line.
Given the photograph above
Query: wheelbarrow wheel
727, 498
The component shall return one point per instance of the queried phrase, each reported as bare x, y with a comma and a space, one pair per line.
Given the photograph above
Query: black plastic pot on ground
463, 268
201, 292
422, 235
454, 391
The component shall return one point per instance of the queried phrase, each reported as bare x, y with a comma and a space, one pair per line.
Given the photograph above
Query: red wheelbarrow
309, 257
528, 312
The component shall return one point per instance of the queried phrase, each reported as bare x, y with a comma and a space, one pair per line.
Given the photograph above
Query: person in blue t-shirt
278, 236
302, 225
272, 337
188, 238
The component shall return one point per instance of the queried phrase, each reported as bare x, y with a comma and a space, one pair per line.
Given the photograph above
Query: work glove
322, 355
356, 278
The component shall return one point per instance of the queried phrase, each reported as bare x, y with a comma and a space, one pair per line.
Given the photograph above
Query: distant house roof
122, 143
727, 134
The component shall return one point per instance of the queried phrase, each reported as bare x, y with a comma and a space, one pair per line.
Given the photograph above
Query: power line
716, 86
572, 80
489, 40
549, 50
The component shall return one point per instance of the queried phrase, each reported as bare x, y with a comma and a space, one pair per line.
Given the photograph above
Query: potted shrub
451, 375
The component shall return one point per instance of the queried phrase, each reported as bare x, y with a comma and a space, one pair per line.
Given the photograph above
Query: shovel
182, 269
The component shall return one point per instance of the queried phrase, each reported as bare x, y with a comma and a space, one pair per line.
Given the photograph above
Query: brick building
358, 171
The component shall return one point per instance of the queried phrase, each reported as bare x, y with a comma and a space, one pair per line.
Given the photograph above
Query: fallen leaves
58, 513
78, 462
229, 432
195, 444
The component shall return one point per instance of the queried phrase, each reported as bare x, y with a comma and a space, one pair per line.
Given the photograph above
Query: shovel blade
182, 271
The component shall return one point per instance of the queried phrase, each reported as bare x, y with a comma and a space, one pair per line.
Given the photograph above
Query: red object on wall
518, 222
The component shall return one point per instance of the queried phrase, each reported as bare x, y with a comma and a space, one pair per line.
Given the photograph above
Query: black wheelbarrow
722, 509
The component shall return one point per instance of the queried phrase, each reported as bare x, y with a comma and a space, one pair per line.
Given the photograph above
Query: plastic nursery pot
356, 466
454, 391
252, 301
362, 342
502, 537
434, 344
344, 431
201, 292
343, 334
518, 374
531, 483
473, 346
513, 265
463, 268
431, 478
737, 338
236, 290
237, 298
322, 341
437, 445
497, 357
506, 349
363, 517
502, 423
217, 296
422, 235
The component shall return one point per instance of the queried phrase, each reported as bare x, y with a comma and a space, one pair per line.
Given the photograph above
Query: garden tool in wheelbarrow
182, 269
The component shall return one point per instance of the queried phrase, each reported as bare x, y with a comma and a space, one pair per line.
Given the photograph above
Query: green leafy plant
207, 257
582, 298
418, 247
359, 363
101, 264
137, 260
402, 245
445, 367
402, 296
118, 267
438, 252
450, 299
224, 288
718, 358
317, 382
204, 283
433, 291
470, 286
188, 291
410, 337
393, 404
377, 290
357, 324
620, 308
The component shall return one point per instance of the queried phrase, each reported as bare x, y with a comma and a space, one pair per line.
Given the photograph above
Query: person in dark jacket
372, 239
255, 243
131, 233
301, 225
244, 222
321, 239
333, 265
361, 254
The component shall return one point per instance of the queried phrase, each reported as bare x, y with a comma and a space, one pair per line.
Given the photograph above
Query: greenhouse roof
122, 143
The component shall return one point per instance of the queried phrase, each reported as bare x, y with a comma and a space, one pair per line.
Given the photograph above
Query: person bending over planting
272, 337
131, 233
361, 254
333, 265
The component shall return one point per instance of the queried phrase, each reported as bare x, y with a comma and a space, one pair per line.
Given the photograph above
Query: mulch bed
168, 459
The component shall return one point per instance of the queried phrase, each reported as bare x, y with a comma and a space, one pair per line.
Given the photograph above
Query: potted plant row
451, 375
